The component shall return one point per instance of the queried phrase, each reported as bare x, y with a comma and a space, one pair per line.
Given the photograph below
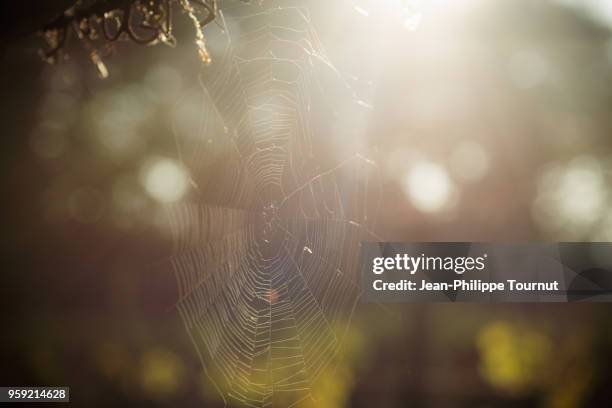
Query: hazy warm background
491, 121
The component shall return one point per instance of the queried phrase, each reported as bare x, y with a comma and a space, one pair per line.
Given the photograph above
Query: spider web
267, 250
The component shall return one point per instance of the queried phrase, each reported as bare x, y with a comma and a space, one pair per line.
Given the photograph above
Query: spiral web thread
266, 251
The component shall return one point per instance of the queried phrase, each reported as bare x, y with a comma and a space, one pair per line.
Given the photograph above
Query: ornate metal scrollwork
145, 22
